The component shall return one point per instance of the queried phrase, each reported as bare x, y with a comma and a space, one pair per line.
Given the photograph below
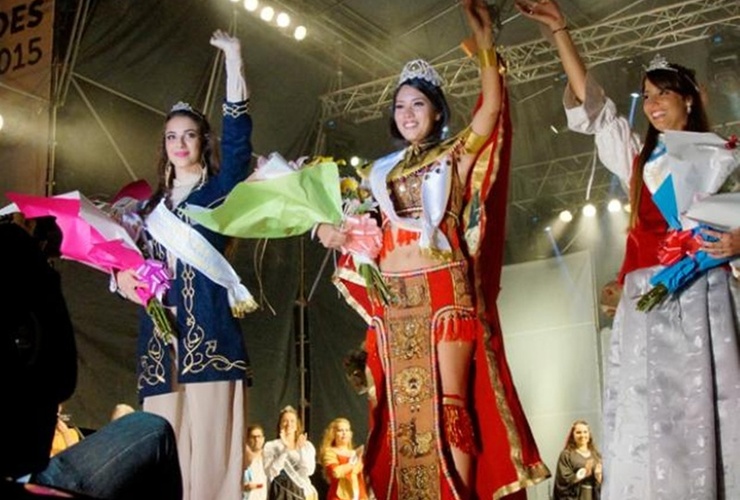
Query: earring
688, 108
168, 174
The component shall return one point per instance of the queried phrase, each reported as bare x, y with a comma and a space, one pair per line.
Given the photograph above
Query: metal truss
680, 23
554, 185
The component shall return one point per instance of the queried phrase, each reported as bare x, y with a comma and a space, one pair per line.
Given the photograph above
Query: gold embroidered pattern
408, 339
419, 482
152, 363
199, 355
408, 294
411, 387
413, 444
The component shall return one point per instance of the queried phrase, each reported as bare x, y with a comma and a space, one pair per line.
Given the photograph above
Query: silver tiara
419, 68
182, 106
659, 62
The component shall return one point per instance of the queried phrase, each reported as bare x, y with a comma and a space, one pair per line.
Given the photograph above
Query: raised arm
547, 13
236, 86
479, 20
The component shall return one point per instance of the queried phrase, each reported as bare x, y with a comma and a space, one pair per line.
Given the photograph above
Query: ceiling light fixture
300, 33
565, 216
614, 206
283, 20
589, 210
251, 5
267, 13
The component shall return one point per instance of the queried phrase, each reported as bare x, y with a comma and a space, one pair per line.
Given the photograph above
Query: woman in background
290, 460
578, 476
342, 463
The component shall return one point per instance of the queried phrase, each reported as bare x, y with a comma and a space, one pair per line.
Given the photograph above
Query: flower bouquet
699, 163
364, 237
282, 199
93, 238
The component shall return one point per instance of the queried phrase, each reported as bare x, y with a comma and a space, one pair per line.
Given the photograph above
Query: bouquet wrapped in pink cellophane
92, 237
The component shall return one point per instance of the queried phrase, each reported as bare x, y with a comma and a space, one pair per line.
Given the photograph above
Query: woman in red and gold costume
445, 418
343, 466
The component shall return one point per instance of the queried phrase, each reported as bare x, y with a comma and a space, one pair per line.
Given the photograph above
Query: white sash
191, 247
435, 192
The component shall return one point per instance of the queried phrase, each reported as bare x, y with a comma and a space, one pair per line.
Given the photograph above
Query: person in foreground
671, 393
342, 463
134, 457
290, 460
445, 418
579, 472
196, 378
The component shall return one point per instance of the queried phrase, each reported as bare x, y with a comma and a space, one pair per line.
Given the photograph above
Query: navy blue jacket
209, 339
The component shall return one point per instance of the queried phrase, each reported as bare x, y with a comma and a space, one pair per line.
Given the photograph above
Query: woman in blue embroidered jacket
196, 380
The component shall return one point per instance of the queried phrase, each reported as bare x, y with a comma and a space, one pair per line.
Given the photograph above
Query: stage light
251, 5
283, 20
589, 210
565, 216
267, 13
635, 95
614, 206
300, 33
2, 122
548, 229
354, 161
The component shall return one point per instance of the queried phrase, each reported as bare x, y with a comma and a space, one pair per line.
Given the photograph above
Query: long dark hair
439, 103
570, 442
208, 153
682, 81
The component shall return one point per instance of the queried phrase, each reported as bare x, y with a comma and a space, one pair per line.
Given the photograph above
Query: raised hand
546, 12
479, 20
227, 43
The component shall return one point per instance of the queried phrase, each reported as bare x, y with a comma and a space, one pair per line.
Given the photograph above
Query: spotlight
300, 33
354, 161
251, 5
548, 229
614, 206
267, 13
589, 210
635, 95
283, 20
565, 216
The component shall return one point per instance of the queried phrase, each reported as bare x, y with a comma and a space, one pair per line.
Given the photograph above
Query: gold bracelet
564, 28
487, 57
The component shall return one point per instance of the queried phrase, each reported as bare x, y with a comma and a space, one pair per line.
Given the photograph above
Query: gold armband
474, 142
487, 57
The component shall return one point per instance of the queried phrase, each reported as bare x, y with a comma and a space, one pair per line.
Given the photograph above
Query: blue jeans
133, 456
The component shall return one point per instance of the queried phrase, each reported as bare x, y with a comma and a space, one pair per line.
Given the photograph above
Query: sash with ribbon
191, 247
435, 192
